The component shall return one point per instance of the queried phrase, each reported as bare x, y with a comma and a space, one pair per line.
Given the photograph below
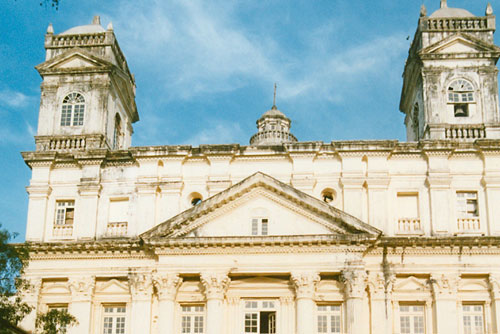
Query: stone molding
354, 280
81, 288
167, 285
214, 284
494, 285
31, 291
141, 286
380, 285
305, 283
444, 285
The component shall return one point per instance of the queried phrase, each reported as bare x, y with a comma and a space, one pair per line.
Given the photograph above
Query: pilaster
305, 288
380, 288
146, 191
215, 285
82, 291
170, 199
494, 285
166, 286
86, 220
31, 296
444, 291
37, 212
354, 280
141, 290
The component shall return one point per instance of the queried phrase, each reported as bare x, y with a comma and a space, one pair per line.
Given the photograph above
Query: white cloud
196, 47
220, 132
13, 99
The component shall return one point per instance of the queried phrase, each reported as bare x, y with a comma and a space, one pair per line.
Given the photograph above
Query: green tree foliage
55, 322
13, 258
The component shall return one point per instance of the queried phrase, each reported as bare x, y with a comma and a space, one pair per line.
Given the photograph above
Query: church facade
279, 236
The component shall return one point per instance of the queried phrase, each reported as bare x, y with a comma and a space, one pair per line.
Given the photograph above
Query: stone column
305, 288
354, 280
141, 289
444, 290
167, 286
287, 317
215, 286
31, 296
380, 288
494, 282
82, 290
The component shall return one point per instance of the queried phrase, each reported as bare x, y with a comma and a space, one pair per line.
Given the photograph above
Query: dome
451, 12
85, 29
273, 112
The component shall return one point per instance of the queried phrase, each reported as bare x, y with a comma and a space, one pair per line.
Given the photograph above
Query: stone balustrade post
82, 291
305, 289
166, 286
141, 290
31, 296
444, 291
354, 280
215, 286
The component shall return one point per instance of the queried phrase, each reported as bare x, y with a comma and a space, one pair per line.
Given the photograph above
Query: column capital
82, 288
494, 285
141, 286
167, 285
32, 289
215, 284
305, 283
380, 285
354, 280
444, 285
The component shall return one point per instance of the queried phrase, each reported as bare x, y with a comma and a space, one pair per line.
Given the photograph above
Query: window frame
64, 209
463, 314
329, 314
73, 110
192, 317
124, 315
257, 306
259, 225
462, 98
411, 315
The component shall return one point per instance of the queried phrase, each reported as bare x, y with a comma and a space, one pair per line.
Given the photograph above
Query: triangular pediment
73, 59
459, 44
241, 209
410, 284
112, 286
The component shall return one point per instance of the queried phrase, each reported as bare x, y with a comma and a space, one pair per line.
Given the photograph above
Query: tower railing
465, 132
69, 143
268, 135
457, 24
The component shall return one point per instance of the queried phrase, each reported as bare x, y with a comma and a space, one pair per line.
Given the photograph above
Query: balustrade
62, 230
468, 224
465, 132
118, 229
409, 226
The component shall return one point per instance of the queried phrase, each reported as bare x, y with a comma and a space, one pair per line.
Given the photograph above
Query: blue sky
205, 70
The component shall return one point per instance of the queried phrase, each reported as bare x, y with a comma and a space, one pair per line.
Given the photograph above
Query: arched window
117, 132
461, 94
73, 109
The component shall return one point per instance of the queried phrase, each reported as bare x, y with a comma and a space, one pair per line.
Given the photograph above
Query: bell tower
450, 88
88, 92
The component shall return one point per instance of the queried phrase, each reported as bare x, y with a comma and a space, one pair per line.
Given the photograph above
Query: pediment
473, 285
74, 59
55, 288
460, 43
112, 286
410, 284
288, 211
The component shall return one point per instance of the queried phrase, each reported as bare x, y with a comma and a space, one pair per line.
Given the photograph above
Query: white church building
279, 236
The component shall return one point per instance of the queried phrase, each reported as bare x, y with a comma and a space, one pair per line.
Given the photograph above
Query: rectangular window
467, 204
66, 115
260, 226
260, 317
114, 317
412, 319
193, 319
408, 213
118, 218
473, 319
65, 212
329, 319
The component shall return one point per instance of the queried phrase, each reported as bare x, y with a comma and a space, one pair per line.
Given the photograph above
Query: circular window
195, 198
328, 195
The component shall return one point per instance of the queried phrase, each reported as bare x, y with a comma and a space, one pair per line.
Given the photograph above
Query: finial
110, 26
50, 29
274, 98
423, 10
444, 4
96, 20
489, 9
